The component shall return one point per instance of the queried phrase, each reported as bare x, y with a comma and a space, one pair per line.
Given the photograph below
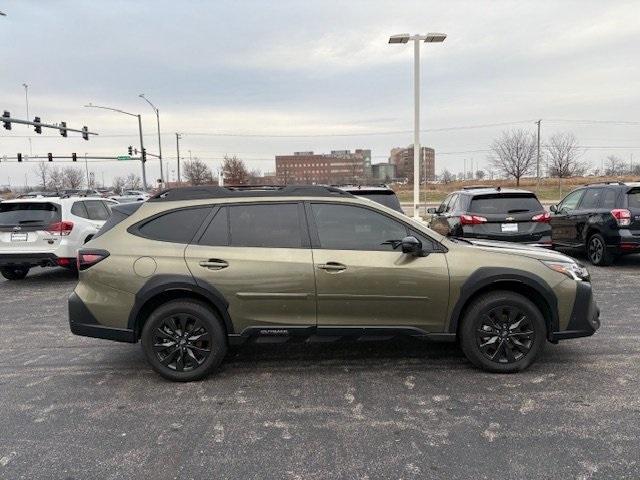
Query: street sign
124, 157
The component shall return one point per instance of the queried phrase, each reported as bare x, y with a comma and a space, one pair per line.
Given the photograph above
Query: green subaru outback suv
194, 270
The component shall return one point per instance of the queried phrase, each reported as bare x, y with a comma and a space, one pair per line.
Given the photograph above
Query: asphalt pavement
80, 408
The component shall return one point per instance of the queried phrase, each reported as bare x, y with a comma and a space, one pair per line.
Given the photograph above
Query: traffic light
63, 129
50, 156
6, 123
144, 155
74, 157
130, 150
85, 133
19, 157
37, 126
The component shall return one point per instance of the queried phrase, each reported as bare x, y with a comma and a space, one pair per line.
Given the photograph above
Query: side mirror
431, 210
411, 245
553, 208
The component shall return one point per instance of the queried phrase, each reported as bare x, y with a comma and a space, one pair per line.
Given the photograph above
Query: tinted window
28, 213
217, 233
633, 198
609, 200
591, 199
570, 202
268, 225
451, 206
118, 213
96, 210
79, 210
443, 206
505, 203
344, 227
388, 199
178, 226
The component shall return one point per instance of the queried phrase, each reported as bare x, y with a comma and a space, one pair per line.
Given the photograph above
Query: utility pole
86, 167
178, 137
538, 159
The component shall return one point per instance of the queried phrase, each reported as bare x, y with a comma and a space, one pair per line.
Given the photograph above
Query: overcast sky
238, 77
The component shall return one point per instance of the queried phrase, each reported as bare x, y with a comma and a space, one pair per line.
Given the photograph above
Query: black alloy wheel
505, 334
14, 273
181, 343
597, 251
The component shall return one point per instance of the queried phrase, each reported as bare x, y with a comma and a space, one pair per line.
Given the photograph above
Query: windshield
505, 203
388, 199
25, 213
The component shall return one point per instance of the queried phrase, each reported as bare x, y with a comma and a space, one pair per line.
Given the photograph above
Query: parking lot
76, 407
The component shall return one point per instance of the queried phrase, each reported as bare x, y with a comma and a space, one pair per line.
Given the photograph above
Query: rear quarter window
177, 226
505, 203
633, 198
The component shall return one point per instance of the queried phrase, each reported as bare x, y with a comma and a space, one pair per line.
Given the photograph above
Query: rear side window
217, 233
386, 198
118, 213
633, 198
505, 203
591, 199
96, 210
78, 209
178, 226
28, 213
609, 199
267, 225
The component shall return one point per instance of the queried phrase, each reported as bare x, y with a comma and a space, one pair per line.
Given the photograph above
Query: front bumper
83, 323
585, 316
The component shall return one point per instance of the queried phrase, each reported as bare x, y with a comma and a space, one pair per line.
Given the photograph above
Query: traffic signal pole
142, 153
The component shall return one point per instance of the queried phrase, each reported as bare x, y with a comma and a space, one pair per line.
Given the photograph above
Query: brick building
339, 166
402, 158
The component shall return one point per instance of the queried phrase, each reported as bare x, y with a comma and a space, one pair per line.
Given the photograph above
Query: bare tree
234, 170
480, 174
514, 154
73, 177
42, 172
56, 179
254, 176
119, 185
447, 176
132, 182
196, 172
563, 154
615, 166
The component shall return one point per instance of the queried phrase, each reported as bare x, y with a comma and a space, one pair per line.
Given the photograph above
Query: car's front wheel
502, 332
14, 273
184, 340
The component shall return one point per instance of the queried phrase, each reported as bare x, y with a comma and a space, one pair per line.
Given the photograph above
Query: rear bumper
28, 259
83, 323
585, 316
536, 239
626, 244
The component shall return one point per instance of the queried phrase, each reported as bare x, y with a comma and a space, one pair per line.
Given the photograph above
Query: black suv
603, 219
378, 193
493, 213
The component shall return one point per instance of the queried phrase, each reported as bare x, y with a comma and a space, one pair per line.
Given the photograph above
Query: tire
597, 253
184, 340
518, 345
14, 273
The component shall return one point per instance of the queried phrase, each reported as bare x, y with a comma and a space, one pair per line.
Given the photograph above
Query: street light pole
159, 138
26, 99
144, 171
178, 154
428, 38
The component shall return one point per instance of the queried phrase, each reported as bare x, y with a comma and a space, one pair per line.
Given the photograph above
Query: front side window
451, 206
571, 201
346, 227
178, 226
268, 225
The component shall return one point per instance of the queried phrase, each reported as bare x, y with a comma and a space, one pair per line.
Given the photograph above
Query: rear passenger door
259, 257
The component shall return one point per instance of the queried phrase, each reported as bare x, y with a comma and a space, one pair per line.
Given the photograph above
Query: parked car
378, 193
131, 196
194, 270
78, 192
493, 213
602, 219
46, 232
39, 194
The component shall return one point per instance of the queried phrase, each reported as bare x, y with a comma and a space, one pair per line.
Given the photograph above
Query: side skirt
314, 334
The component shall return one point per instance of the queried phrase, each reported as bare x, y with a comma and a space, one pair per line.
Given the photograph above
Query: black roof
209, 191
477, 191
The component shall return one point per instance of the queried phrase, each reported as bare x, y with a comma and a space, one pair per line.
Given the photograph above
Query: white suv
47, 232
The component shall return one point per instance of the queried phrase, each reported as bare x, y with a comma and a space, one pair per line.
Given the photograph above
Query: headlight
570, 269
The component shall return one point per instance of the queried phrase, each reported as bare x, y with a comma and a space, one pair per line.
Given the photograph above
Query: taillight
542, 217
88, 258
472, 219
60, 228
622, 216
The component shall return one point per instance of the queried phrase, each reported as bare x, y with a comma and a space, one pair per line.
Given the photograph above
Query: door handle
332, 267
213, 264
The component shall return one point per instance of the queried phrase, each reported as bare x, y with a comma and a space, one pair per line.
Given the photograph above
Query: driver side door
563, 221
360, 281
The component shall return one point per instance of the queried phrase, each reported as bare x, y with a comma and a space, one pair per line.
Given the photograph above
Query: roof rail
605, 183
231, 191
477, 187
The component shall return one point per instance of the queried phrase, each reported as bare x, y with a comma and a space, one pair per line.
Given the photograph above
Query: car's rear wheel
14, 273
184, 340
502, 332
597, 251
